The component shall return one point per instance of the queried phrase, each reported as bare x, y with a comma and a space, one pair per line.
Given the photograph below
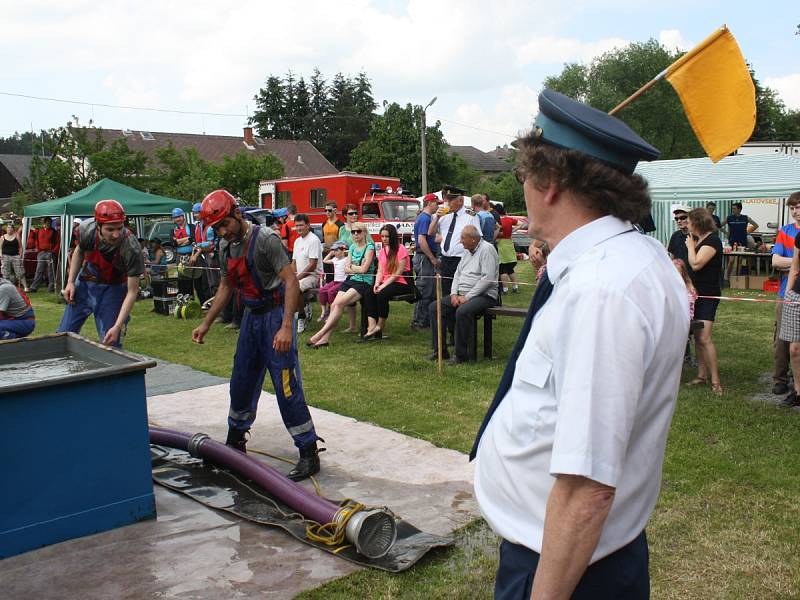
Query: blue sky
484, 62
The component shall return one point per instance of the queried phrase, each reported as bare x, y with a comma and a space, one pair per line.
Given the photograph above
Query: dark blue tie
541, 295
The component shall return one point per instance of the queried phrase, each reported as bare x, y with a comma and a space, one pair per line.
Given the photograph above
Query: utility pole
425, 149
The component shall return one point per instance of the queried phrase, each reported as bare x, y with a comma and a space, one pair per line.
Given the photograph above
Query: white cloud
557, 50
788, 87
473, 124
673, 40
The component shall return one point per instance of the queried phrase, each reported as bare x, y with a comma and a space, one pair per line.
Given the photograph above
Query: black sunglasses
330, 210
356, 231
683, 218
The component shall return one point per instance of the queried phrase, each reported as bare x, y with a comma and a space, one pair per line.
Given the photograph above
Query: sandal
716, 389
697, 381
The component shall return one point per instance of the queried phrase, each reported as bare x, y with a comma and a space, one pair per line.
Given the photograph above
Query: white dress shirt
463, 218
594, 387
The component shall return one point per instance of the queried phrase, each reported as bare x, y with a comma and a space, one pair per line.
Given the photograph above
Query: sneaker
505, 291
234, 326
515, 289
301, 325
780, 388
791, 399
309, 311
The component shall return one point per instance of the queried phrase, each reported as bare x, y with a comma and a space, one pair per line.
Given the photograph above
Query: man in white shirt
307, 263
569, 456
447, 225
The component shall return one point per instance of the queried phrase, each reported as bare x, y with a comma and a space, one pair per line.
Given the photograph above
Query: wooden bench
488, 321
510, 311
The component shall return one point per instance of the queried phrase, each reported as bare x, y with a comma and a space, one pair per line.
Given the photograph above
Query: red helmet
216, 206
109, 211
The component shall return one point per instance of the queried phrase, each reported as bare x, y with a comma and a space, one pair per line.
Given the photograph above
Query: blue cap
566, 123
280, 212
177, 212
196, 208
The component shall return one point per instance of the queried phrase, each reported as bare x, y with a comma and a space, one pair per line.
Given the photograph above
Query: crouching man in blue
16, 313
253, 260
570, 453
103, 275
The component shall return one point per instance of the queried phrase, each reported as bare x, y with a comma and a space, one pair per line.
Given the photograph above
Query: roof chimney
248, 136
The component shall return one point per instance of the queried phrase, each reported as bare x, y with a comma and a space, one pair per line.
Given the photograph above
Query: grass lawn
727, 524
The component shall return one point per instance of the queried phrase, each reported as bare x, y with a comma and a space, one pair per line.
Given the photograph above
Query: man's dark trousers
623, 575
464, 318
447, 269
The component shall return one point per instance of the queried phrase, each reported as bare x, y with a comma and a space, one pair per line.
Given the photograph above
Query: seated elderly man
474, 290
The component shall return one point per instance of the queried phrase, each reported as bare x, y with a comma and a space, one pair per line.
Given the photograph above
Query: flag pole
637, 93
674, 66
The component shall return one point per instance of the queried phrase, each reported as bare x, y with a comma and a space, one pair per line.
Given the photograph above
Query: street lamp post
425, 149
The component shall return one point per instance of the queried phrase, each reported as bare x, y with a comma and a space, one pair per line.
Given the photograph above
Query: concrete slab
168, 378
193, 552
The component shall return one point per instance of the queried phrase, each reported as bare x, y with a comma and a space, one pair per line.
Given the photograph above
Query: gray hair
471, 231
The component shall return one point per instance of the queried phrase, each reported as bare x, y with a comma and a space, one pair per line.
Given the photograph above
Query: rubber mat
222, 490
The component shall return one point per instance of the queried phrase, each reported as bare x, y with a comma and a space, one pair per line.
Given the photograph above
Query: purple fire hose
373, 532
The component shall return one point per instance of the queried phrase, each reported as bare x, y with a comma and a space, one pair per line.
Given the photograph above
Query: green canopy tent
137, 205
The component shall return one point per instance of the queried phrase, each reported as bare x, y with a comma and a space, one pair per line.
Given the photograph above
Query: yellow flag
717, 92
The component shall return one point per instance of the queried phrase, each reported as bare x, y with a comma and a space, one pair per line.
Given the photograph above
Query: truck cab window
370, 210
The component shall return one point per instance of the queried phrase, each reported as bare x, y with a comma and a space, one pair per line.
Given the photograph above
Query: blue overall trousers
18, 327
255, 356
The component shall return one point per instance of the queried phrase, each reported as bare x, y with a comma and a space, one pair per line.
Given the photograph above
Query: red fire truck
380, 200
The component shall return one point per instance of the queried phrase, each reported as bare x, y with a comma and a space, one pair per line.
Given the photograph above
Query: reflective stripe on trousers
254, 357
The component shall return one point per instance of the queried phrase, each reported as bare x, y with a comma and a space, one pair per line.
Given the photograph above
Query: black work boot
308, 464
237, 439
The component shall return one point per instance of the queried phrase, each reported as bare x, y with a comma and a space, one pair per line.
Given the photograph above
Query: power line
147, 108
479, 128
211, 114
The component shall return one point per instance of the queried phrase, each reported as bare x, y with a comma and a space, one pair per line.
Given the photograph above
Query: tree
609, 79
120, 163
319, 111
21, 143
182, 174
335, 118
506, 189
270, 117
462, 175
301, 121
393, 148
241, 174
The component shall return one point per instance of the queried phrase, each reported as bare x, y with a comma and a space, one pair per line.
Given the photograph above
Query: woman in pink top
393, 264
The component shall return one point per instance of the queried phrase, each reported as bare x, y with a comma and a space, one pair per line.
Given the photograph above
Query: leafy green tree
610, 78
182, 174
241, 174
462, 175
506, 189
393, 148
120, 163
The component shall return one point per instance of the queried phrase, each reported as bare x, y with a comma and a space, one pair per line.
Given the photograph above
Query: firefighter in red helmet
103, 274
253, 260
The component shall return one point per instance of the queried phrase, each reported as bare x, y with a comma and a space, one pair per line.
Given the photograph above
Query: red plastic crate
772, 285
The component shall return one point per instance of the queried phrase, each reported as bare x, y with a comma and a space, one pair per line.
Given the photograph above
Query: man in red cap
252, 260
426, 261
103, 275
